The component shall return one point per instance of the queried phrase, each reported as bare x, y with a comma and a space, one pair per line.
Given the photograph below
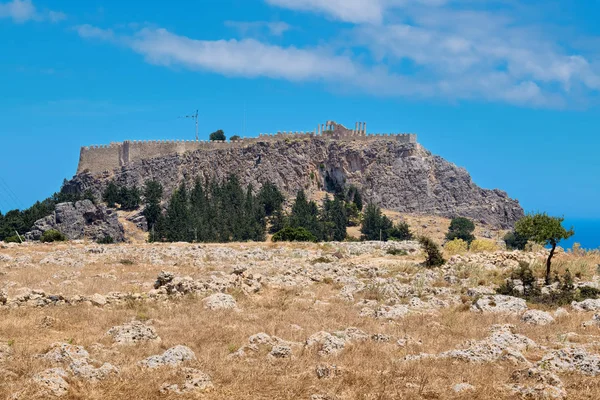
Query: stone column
365, 129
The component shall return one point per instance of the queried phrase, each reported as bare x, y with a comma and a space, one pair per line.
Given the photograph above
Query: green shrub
432, 251
12, 239
106, 240
396, 252
289, 234
481, 245
400, 231
565, 294
456, 246
53, 235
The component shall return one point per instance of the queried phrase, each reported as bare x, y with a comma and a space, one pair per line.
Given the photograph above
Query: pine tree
199, 212
375, 226
338, 218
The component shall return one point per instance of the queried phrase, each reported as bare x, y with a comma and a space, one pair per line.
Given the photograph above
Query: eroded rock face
397, 176
80, 220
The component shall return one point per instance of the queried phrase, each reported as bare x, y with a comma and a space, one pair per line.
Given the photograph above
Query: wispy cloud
92, 32
247, 57
21, 11
417, 48
275, 28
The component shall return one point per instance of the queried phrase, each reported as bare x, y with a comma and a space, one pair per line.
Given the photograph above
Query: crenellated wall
98, 159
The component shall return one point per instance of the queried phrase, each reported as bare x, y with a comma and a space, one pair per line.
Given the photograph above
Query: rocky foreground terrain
286, 321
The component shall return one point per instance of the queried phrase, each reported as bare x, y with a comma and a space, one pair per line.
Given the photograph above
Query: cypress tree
178, 216
153, 192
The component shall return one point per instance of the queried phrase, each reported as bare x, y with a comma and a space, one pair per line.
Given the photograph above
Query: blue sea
587, 233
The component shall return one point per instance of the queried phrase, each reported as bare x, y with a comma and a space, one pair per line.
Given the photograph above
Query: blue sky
507, 89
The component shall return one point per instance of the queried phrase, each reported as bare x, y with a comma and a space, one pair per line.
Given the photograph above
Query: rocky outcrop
80, 220
399, 176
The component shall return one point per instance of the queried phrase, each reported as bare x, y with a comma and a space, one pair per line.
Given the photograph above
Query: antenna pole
196, 125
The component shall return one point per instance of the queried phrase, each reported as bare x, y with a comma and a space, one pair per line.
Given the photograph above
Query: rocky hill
399, 176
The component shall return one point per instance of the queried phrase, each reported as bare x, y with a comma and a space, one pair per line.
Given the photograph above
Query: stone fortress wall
98, 159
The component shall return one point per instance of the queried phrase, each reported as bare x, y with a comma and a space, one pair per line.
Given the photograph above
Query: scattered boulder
561, 313
84, 369
326, 343
132, 333
327, 371
61, 353
171, 357
194, 381
98, 300
572, 359
537, 317
78, 362
500, 304
220, 301
594, 322
502, 344
536, 383
53, 381
586, 305
262, 342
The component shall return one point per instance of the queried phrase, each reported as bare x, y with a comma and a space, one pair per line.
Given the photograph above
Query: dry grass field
291, 292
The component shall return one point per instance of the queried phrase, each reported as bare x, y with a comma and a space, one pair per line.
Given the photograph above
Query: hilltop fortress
391, 170
100, 158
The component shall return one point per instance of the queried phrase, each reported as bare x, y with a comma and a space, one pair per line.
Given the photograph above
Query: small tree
432, 251
234, 137
217, 135
546, 230
111, 194
461, 228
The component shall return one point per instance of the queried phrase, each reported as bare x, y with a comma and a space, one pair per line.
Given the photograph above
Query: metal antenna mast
195, 116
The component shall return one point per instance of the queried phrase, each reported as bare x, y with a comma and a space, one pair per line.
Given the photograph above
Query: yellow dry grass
370, 370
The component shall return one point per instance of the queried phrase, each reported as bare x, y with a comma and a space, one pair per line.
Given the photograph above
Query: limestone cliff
399, 176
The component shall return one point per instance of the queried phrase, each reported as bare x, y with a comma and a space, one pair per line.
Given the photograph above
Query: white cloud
21, 11
92, 32
418, 48
247, 57
275, 28
357, 11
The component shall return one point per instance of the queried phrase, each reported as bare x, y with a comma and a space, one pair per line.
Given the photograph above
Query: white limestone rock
537, 317
132, 333
171, 357
220, 301
500, 304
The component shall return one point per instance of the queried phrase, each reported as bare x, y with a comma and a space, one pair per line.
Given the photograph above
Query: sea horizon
587, 233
